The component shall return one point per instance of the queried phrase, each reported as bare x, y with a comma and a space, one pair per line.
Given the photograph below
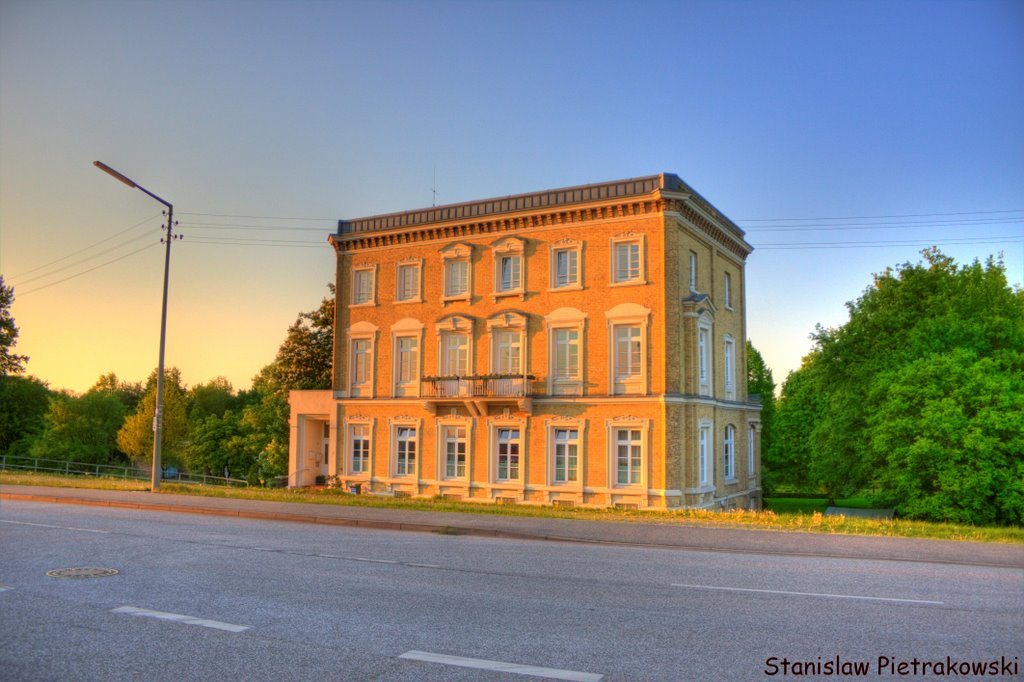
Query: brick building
574, 346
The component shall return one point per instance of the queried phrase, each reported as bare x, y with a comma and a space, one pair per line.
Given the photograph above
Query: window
627, 358
454, 354
704, 454
509, 266
566, 264
693, 271
359, 448
509, 444
627, 456
509, 349
405, 450
454, 451
362, 286
751, 447
456, 277
727, 291
730, 368
627, 262
704, 359
362, 366
567, 354
729, 454
407, 354
566, 456
510, 273
566, 361
407, 282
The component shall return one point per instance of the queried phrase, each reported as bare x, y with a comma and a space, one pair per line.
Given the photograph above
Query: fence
59, 466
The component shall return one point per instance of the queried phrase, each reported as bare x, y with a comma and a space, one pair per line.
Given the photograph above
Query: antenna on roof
433, 187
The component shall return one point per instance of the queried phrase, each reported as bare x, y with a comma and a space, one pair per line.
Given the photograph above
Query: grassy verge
813, 522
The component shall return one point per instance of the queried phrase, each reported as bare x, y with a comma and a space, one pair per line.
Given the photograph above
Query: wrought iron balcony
491, 386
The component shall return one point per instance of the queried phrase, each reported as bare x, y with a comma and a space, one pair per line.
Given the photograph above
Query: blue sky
299, 113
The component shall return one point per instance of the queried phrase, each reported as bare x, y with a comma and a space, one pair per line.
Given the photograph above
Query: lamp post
158, 419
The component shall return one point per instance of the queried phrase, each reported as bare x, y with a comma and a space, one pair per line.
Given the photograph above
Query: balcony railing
476, 387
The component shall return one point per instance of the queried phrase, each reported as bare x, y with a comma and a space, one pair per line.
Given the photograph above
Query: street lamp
158, 419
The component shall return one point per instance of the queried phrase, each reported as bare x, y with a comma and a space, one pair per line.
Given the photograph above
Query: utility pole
158, 418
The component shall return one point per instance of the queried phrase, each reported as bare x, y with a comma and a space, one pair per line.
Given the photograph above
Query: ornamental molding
360, 418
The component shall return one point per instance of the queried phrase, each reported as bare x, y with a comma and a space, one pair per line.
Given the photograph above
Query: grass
781, 519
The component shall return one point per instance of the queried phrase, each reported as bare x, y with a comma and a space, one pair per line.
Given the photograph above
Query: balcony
478, 392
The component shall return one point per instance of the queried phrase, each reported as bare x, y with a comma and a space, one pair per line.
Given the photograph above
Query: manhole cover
82, 572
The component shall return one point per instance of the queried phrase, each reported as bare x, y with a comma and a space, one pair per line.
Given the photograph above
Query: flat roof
552, 198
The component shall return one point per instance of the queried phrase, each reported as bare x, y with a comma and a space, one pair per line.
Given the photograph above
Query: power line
880, 217
91, 246
271, 243
84, 260
885, 226
795, 246
283, 228
84, 272
259, 217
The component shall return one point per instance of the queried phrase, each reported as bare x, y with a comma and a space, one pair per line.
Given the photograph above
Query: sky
844, 137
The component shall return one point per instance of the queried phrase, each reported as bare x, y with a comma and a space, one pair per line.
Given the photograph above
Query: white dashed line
810, 594
501, 666
178, 618
46, 525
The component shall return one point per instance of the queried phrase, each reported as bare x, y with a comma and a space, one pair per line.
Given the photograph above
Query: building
577, 346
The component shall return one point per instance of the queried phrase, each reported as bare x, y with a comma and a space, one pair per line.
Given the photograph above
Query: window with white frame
727, 291
627, 342
628, 456
729, 453
751, 448
407, 364
509, 264
509, 446
455, 354
627, 261
566, 264
457, 272
359, 448
405, 450
567, 354
456, 278
362, 338
407, 282
510, 273
455, 444
508, 346
363, 285
566, 454
730, 368
704, 462
704, 357
565, 328
693, 271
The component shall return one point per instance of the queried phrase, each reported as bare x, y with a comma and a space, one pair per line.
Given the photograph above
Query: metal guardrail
59, 466
457, 387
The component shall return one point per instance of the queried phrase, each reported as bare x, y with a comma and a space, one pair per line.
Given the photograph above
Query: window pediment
362, 328
457, 250
509, 245
455, 323
407, 324
508, 319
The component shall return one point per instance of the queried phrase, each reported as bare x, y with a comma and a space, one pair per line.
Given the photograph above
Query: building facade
578, 346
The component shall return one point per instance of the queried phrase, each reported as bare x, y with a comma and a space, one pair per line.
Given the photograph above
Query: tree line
917, 402
209, 428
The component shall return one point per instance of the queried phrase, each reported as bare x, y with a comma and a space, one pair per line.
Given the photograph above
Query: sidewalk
562, 530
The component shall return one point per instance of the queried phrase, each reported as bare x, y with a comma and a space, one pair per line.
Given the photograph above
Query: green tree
128, 393
10, 363
212, 399
883, 387
136, 435
790, 454
218, 444
82, 429
761, 383
24, 402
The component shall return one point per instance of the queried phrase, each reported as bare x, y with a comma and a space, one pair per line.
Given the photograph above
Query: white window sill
567, 287
629, 283
408, 300
521, 293
458, 297
730, 481
706, 488
370, 304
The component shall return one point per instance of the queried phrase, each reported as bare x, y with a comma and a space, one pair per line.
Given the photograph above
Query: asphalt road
207, 597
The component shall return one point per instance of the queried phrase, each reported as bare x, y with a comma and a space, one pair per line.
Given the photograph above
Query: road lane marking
4, 588
810, 594
374, 561
423, 565
46, 525
501, 666
179, 618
